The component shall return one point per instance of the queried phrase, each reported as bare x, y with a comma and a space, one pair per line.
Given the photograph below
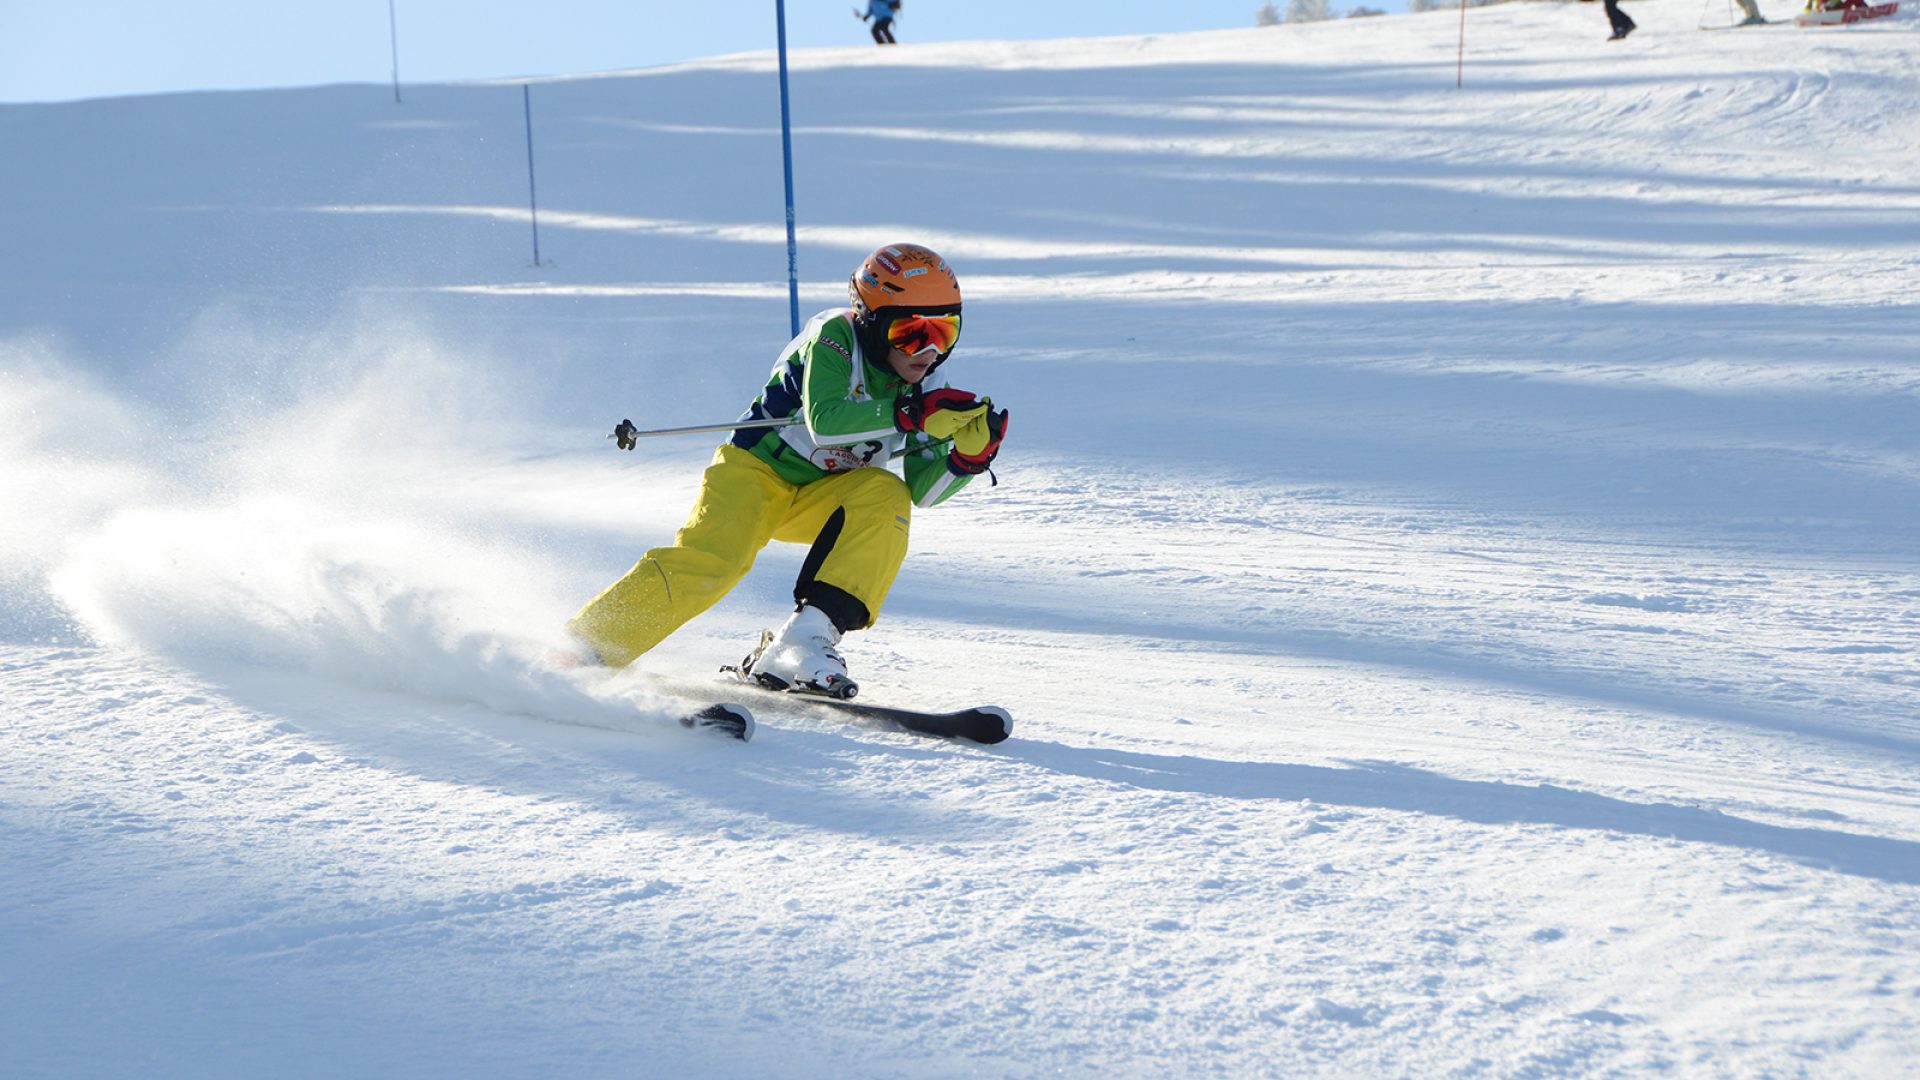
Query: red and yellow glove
938, 413
977, 441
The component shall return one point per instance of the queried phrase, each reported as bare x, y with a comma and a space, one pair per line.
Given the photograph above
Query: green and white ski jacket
848, 403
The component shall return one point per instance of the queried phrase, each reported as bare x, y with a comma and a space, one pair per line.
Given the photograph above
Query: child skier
853, 381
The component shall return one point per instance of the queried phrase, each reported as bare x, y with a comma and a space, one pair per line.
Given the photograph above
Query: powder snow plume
62, 475
338, 533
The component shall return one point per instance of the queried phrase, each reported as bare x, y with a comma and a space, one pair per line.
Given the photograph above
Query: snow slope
1455, 566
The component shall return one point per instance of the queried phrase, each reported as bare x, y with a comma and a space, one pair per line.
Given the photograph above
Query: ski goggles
918, 333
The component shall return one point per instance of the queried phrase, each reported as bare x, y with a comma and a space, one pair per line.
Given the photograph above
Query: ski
1845, 16
724, 718
987, 724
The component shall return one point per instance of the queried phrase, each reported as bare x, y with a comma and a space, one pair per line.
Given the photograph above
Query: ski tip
725, 718
1006, 724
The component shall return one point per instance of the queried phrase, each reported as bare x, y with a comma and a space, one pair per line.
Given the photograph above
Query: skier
856, 377
1622, 24
882, 13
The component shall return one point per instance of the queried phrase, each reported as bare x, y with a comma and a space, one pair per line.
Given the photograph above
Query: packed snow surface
1455, 568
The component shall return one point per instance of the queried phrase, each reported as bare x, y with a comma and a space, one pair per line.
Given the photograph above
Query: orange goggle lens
917, 333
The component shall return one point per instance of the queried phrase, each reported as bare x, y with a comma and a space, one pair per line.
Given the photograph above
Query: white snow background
1455, 567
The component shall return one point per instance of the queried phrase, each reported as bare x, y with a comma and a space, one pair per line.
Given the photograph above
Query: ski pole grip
625, 435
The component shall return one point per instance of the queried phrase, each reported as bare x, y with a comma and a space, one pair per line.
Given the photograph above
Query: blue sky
52, 50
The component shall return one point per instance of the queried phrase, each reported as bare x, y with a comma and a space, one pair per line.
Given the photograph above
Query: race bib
843, 458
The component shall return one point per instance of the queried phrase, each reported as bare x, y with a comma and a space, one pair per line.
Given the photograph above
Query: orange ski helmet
899, 280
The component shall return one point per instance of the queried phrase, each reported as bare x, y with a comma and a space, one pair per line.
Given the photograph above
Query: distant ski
724, 718
1846, 15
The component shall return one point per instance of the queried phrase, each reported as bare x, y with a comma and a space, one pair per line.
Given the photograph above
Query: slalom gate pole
786, 154
533, 205
1460, 72
393, 34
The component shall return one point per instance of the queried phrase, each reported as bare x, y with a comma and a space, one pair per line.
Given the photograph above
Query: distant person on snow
1622, 26
882, 13
855, 379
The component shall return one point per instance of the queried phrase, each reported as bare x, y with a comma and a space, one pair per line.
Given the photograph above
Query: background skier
855, 378
882, 13
1622, 24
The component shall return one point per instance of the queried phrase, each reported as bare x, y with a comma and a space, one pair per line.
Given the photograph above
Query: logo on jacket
844, 458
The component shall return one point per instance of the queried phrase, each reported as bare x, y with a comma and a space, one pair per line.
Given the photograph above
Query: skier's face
912, 366
916, 339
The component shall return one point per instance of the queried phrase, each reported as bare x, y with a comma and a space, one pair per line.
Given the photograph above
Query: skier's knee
878, 490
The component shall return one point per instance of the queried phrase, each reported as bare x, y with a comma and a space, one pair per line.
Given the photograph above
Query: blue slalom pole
393, 34
786, 153
533, 204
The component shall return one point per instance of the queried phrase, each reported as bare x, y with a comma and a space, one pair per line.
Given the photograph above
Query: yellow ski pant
743, 504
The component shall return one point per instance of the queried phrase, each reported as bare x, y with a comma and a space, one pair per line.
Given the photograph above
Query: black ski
982, 723
987, 724
725, 718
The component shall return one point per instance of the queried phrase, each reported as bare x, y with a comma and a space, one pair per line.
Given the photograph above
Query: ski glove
938, 413
975, 444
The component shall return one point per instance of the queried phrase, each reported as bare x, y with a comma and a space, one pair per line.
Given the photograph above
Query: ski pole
936, 444
625, 435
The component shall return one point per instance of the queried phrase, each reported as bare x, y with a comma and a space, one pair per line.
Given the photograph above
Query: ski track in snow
1455, 569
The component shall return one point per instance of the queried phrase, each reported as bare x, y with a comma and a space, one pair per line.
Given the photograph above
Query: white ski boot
802, 656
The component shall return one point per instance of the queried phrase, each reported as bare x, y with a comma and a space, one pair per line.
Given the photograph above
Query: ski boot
801, 657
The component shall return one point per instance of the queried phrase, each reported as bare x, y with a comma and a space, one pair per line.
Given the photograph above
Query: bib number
844, 458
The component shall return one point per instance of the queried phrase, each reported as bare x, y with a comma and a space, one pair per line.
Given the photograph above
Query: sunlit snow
1455, 566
